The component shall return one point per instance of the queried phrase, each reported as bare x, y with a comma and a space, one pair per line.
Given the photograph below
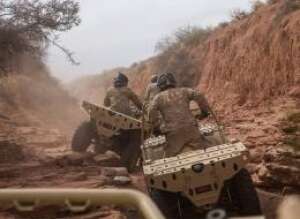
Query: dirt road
36, 157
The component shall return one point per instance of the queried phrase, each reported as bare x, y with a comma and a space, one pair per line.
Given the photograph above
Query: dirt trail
42, 158
38, 158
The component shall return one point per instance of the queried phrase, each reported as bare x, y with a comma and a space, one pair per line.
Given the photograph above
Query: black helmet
154, 78
165, 81
120, 80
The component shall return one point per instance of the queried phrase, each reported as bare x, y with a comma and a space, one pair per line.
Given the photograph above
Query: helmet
120, 80
165, 81
154, 78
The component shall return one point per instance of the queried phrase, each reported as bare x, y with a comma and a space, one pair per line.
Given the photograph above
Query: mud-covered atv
187, 185
109, 130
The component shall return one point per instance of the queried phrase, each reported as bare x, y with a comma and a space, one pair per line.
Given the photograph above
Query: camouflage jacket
150, 93
174, 107
118, 99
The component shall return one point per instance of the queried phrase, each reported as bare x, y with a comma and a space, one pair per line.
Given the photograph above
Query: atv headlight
198, 168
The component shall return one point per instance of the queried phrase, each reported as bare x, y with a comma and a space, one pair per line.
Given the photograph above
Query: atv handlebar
78, 200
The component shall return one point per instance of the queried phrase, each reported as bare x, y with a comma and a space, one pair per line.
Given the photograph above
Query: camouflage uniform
118, 99
179, 124
150, 93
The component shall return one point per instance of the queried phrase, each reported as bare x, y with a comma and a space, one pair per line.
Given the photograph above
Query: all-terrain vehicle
189, 184
109, 130
193, 181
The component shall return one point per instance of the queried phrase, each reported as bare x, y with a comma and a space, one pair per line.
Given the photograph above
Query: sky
116, 33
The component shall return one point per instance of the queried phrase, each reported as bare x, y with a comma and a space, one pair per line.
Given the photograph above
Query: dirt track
48, 162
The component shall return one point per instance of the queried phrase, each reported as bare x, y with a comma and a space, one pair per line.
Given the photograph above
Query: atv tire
244, 195
132, 152
83, 136
167, 203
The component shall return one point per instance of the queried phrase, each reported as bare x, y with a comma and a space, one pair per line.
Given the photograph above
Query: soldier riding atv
112, 127
191, 168
109, 130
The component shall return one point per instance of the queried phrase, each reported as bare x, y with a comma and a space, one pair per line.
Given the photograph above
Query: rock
73, 158
115, 215
115, 171
283, 156
252, 168
112, 154
256, 155
93, 215
76, 176
121, 180
281, 167
108, 159
263, 172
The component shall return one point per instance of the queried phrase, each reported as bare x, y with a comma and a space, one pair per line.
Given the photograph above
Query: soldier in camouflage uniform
151, 91
119, 97
179, 125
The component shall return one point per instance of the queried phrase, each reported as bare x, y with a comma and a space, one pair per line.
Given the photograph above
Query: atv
109, 130
191, 183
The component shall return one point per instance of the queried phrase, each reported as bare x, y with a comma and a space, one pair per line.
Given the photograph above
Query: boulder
121, 180
114, 171
256, 155
280, 167
73, 158
109, 158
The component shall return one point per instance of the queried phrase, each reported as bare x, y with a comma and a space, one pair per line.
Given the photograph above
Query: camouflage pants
186, 137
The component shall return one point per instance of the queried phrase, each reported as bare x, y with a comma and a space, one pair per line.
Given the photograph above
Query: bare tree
31, 25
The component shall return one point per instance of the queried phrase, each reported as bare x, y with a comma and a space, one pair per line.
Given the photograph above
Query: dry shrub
29, 26
290, 6
184, 36
223, 24
270, 2
286, 7
238, 14
175, 55
257, 4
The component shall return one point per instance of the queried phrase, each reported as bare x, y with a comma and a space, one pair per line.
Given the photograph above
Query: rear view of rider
178, 123
120, 97
151, 91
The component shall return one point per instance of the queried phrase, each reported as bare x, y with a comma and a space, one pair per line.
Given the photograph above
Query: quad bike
109, 130
193, 181
189, 184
